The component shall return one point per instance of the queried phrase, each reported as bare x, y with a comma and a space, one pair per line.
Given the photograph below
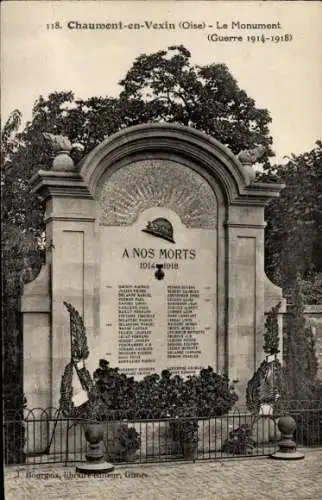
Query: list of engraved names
136, 322
183, 306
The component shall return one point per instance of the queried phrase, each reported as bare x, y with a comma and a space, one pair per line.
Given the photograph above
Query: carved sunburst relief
157, 183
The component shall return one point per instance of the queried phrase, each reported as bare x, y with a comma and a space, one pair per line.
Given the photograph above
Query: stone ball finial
62, 147
287, 446
286, 425
63, 162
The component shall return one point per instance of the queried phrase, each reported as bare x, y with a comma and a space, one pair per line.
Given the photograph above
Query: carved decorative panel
157, 183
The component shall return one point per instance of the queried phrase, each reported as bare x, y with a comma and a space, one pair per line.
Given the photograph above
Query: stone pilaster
71, 240
245, 302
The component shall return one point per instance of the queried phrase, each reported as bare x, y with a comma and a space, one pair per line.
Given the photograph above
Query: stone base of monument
95, 467
293, 455
95, 463
287, 446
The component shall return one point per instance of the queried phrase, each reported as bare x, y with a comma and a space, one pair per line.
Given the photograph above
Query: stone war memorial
157, 238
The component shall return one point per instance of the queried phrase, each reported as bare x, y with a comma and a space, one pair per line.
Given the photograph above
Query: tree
300, 358
294, 220
271, 334
8, 134
166, 86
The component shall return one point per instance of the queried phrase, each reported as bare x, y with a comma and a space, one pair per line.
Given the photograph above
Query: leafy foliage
166, 86
184, 430
211, 393
79, 347
239, 441
300, 357
312, 288
206, 394
128, 440
309, 427
8, 134
14, 403
265, 386
66, 392
294, 222
271, 335
112, 390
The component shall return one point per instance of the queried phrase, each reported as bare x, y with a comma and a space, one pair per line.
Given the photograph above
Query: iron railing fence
47, 436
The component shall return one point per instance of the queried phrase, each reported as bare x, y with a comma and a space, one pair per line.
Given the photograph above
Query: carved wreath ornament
265, 385
79, 353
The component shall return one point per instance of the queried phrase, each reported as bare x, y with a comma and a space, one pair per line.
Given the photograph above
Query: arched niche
187, 143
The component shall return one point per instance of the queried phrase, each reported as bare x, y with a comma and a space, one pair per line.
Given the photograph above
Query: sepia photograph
161, 195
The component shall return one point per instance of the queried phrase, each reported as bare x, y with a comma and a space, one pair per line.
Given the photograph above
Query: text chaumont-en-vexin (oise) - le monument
167, 25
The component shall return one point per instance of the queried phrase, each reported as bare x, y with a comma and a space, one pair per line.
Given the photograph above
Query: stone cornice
244, 225
71, 218
258, 194
59, 184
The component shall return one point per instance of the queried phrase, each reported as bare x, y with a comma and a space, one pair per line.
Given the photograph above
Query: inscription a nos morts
158, 295
161, 253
